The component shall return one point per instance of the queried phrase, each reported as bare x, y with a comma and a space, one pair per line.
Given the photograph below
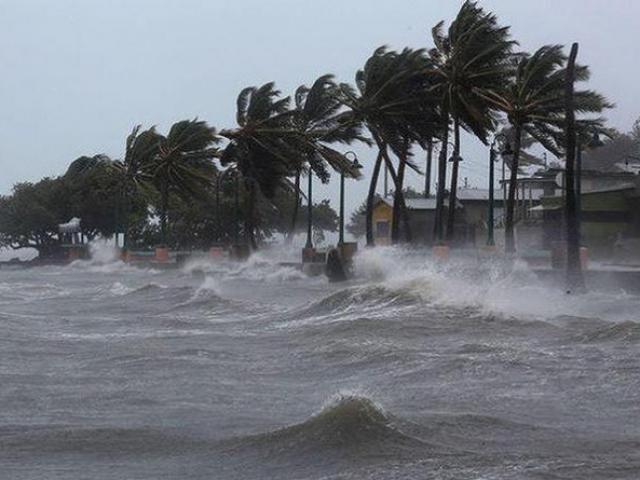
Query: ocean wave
347, 421
627, 331
261, 267
34, 440
361, 298
504, 288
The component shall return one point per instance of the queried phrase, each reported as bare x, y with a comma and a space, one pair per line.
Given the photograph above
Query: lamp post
309, 243
356, 165
218, 220
236, 208
427, 170
492, 159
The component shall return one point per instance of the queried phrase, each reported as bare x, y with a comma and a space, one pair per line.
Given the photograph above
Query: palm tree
183, 164
534, 104
318, 118
472, 57
391, 99
265, 148
141, 149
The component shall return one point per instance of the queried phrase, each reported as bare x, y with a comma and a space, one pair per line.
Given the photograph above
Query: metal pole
236, 232
218, 221
427, 173
341, 234
386, 180
309, 211
492, 158
504, 189
523, 202
579, 189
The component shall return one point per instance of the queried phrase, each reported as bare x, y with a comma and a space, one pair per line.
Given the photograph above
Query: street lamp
492, 159
309, 243
356, 166
236, 213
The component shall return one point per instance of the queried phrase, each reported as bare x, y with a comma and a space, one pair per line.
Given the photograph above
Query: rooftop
419, 203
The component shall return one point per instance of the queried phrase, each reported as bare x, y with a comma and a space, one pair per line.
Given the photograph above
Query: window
382, 229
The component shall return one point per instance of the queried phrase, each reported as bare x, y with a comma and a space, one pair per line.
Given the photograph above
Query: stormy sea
221, 370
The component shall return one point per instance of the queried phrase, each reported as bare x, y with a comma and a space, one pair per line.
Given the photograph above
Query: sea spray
492, 288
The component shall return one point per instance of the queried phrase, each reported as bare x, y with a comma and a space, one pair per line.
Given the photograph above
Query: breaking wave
627, 331
261, 266
347, 421
498, 288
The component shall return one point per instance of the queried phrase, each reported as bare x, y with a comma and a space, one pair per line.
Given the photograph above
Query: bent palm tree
265, 147
318, 118
183, 164
141, 149
472, 57
534, 104
392, 101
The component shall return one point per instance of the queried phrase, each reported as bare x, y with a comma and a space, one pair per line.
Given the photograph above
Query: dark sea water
253, 371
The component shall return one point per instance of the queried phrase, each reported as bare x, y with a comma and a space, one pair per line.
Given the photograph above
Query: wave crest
347, 422
624, 331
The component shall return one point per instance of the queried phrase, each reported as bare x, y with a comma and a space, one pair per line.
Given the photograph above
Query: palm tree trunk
125, 234
403, 206
427, 170
442, 178
164, 208
250, 226
399, 207
453, 192
575, 278
509, 238
296, 208
371, 196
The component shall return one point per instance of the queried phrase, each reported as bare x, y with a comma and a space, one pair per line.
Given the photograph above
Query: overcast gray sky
77, 75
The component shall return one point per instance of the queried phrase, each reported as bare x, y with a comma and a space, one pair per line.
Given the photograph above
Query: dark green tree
318, 117
265, 148
392, 100
534, 104
29, 217
135, 172
183, 164
471, 58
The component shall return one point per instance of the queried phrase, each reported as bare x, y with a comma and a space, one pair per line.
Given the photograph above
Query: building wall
382, 214
422, 224
606, 216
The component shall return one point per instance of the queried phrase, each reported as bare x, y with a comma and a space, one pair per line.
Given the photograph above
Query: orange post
162, 254
441, 252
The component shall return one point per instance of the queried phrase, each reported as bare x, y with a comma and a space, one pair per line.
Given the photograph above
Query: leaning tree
470, 58
135, 172
183, 164
533, 101
264, 148
318, 117
392, 100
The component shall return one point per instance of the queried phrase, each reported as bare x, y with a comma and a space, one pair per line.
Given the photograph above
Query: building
475, 203
609, 216
471, 218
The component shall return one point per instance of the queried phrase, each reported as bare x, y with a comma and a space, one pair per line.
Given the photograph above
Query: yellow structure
382, 217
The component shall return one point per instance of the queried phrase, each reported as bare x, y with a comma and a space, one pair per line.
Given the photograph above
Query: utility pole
575, 278
427, 171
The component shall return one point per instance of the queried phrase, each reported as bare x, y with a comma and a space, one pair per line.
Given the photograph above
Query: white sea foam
496, 288
265, 266
104, 258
